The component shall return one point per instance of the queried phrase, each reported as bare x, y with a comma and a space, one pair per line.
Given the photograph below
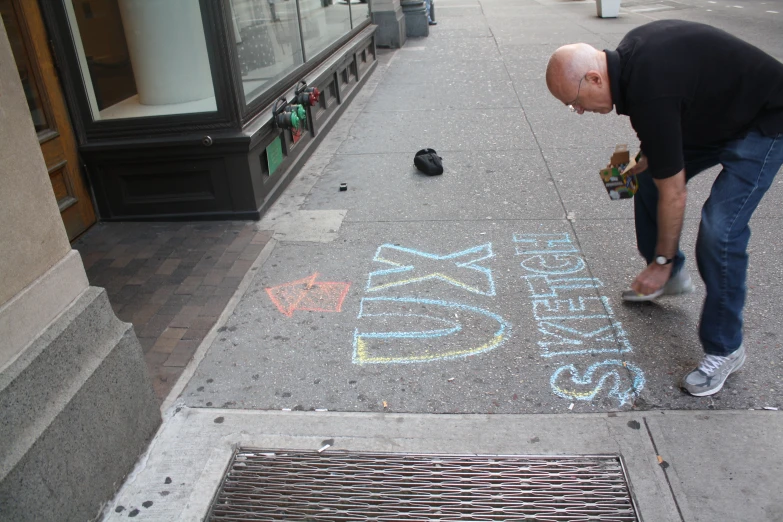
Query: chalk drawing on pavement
438, 330
309, 295
531, 244
555, 264
543, 286
461, 269
574, 320
567, 383
581, 326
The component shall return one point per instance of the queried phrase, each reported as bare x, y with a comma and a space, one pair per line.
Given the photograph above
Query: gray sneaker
679, 284
709, 377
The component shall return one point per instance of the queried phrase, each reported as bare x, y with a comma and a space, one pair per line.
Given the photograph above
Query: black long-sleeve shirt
686, 84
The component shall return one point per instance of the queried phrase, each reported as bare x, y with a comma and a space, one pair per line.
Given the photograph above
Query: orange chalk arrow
308, 295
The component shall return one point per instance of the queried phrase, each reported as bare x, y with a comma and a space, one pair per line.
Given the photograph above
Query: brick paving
171, 280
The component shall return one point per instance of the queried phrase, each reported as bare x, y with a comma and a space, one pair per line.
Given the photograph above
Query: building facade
165, 109
134, 110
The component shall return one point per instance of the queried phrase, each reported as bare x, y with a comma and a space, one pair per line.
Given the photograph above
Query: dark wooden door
30, 44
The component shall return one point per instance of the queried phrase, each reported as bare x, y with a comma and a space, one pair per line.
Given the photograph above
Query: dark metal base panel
226, 175
307, 485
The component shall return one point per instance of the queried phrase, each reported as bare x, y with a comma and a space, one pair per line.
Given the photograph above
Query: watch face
660, 260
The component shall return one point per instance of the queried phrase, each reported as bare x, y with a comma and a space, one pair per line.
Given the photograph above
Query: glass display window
268, 43
323, 23
360, 12
140, 58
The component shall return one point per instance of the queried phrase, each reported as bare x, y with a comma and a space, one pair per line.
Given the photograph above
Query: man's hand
640, 166
652, 278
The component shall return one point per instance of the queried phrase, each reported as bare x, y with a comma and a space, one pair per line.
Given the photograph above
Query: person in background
430, 21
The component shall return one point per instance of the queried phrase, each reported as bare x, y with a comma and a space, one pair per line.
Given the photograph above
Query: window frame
89, 130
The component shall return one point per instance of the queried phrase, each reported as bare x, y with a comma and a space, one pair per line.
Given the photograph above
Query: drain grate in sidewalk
308, 486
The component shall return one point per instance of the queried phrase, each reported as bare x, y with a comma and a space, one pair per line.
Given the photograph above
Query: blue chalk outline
596, 284
407, 268
550, 243
620, 335
503, 331
571, 308
623, 397
579, 266
423, 334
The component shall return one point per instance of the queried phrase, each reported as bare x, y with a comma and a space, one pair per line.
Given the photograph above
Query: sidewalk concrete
408, 296
717, 466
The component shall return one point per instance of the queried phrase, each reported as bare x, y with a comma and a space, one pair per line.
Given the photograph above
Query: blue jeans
749, 166
428, 5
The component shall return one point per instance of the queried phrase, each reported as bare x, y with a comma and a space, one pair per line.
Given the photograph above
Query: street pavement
492, 289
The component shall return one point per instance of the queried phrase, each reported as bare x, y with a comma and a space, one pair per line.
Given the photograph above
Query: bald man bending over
697, 97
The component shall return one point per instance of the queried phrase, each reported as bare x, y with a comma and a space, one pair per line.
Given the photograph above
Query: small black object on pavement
428, 162
343, 187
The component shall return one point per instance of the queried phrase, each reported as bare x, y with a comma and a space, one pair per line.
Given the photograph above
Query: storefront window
266, 33
142, 57
323, 23
360, 11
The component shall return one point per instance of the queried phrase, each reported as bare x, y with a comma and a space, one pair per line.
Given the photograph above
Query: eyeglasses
579, 88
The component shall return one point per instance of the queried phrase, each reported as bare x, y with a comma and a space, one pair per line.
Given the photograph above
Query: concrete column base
78, 410
391, 30
416, 23
23, 317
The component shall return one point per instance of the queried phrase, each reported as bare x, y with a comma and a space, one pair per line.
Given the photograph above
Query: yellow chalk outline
363, 358
577, 395
434, 275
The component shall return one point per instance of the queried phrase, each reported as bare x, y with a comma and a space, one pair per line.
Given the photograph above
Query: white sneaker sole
633, 297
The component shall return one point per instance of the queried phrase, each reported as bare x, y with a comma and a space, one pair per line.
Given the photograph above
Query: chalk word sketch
460, 269
573, 321
586, 388
410, 329
434, 330
578, 326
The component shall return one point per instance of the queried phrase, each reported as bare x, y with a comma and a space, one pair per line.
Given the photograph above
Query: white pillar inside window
168, 50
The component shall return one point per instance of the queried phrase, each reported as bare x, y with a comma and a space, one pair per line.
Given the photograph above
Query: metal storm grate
308, 486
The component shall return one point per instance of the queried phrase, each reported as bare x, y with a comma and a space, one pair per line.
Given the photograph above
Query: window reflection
268, 46
360, 11
149, 57
323, 23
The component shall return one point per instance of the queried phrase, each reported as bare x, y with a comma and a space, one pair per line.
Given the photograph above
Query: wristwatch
663, 260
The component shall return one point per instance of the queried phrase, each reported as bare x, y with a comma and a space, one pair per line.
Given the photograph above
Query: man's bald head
569, 65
